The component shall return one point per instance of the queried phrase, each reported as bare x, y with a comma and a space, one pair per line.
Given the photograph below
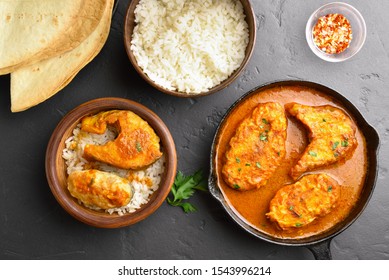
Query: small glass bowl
358, 26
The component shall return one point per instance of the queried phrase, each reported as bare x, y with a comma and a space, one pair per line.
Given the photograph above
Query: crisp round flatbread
33, 84
32, 30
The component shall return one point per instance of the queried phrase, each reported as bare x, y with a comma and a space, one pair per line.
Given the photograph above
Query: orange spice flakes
332, 33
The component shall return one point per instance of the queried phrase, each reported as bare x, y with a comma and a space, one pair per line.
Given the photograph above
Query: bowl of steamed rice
189, 48
111, 162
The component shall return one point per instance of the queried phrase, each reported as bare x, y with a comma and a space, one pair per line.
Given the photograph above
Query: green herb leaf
263, 136
299, 225
237, 160
345, 143
198, 177
248, 164
329, 189
324, 120
184, 187
188, 207
312, 153
265, 121
335, 145
138, 147
171, 202
180, 178
173, 190
258, 164
236, 186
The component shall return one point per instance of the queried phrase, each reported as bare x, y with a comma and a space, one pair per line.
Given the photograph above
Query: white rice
73, 155
189, 45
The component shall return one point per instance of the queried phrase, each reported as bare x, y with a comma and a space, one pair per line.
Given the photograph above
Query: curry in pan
291, 161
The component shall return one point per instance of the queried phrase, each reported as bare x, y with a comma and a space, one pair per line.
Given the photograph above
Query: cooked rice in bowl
144, 182
189, 46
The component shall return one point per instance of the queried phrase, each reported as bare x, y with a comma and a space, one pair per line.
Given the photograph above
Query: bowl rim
127, 34
61, 194
315, 49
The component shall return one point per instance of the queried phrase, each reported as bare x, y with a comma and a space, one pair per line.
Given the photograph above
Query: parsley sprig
184, 187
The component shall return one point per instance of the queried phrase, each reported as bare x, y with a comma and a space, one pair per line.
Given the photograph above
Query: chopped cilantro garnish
335, 145
248, 164
329, 189
265, 121
138, 147
312, 153
237, 160
344, 143
236, 186
258, 164
263, 136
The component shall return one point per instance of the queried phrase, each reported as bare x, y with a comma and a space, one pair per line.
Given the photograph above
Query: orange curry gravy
252, 205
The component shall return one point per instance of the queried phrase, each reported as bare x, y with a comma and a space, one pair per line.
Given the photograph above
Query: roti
33, 84
32, 30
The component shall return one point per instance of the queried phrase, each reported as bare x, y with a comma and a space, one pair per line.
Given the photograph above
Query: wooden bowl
129, 25
56, 166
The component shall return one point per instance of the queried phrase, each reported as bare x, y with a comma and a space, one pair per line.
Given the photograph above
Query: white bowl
358, 26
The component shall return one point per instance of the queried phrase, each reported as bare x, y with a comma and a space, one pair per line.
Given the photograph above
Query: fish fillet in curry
331, 136
299, 204
100, 189
257, 148
136, 146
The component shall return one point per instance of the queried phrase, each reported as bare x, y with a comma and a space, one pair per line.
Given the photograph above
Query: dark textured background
34, 226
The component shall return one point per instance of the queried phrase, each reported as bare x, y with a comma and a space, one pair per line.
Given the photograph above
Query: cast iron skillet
319, 244
115, 6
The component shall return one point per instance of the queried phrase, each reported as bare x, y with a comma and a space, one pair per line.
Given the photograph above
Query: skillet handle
213, 189
321, 250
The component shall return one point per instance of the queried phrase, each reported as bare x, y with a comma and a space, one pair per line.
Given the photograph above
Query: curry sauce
254, 204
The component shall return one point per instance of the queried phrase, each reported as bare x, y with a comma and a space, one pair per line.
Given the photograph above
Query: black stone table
34, 226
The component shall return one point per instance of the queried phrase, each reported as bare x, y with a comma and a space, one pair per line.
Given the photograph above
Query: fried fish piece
257, 148
100, 189
331, 136
136, 146
299, 204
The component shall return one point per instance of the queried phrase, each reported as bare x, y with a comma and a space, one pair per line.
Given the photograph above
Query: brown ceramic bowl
128, 30
56, 166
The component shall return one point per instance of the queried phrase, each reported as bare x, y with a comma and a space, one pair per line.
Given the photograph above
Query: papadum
33, 84
32, 30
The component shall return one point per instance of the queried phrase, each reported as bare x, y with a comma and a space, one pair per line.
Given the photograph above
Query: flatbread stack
45, 43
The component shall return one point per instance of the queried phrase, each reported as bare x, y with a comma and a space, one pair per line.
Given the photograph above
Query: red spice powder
332, 33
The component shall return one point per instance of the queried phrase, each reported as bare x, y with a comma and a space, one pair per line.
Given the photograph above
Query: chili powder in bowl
336, 31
